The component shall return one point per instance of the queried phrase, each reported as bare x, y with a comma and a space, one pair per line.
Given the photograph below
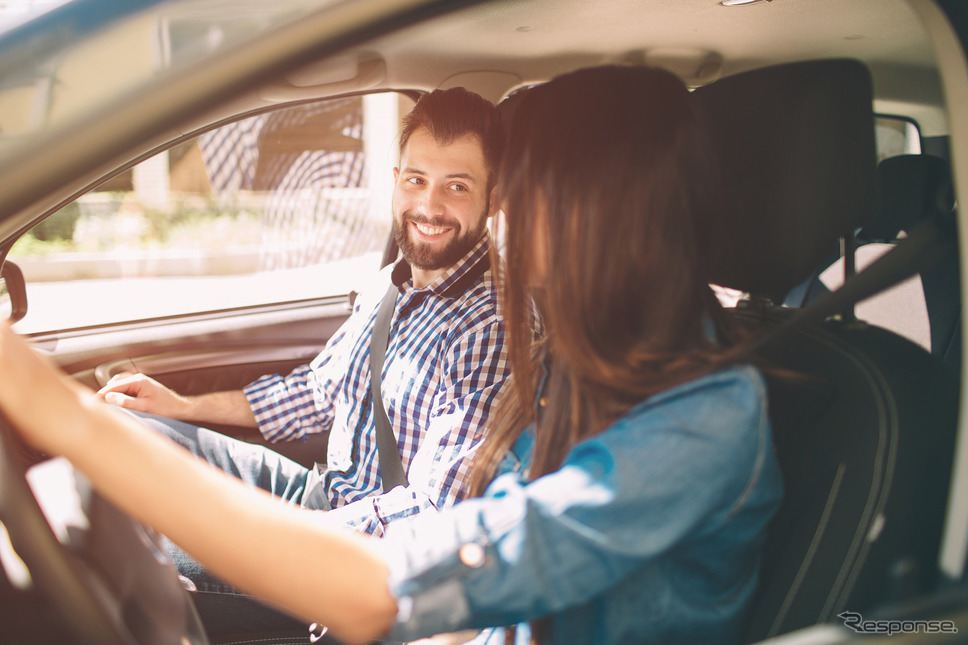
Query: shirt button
542, 402
472, 555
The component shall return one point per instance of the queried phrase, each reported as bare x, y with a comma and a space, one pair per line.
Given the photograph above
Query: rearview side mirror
13, 293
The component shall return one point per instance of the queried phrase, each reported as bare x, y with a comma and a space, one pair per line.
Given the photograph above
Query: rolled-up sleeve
290, 407
677, 468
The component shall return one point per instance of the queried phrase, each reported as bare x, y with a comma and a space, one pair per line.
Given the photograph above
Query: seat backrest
865, 428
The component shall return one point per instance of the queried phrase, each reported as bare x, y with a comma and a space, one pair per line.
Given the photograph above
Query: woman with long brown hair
624, 492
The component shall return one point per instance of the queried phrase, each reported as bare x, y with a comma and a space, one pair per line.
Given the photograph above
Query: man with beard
445, 360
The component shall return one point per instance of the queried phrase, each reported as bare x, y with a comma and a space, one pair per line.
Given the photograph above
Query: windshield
16, 13
64, 65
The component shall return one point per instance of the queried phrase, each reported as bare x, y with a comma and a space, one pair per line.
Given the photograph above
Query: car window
52, 78
286, 205
895, 136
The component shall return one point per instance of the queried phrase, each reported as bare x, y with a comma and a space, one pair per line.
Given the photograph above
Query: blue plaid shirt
445, 364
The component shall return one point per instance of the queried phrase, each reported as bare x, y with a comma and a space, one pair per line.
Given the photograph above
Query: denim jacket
650, 532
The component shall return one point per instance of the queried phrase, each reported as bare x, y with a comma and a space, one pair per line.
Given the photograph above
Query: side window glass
283, 206
895, 137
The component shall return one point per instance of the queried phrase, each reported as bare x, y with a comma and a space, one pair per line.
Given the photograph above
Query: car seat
864, 420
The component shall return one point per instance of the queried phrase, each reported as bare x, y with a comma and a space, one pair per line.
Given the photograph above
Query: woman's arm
284, 555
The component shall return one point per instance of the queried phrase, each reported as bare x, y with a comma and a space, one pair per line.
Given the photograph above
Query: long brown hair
606, 166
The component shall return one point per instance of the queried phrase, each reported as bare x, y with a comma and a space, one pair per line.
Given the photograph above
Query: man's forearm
228, 408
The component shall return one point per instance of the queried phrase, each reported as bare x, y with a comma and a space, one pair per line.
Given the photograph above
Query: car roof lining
458, 47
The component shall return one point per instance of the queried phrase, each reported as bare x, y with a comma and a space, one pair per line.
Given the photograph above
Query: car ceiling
496, 46
883, 31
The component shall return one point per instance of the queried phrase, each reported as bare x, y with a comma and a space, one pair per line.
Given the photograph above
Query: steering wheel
107, 575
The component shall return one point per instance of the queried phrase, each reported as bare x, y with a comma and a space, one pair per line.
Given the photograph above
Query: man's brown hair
455, 113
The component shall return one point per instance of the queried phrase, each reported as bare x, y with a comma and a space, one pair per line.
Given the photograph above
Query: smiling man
445, 359
438, 213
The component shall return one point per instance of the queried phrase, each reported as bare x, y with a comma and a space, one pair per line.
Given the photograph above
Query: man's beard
422, 255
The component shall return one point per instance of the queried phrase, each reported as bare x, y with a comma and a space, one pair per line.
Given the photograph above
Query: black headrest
795, 147
910, 188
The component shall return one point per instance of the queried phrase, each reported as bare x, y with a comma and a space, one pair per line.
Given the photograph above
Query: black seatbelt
391, 465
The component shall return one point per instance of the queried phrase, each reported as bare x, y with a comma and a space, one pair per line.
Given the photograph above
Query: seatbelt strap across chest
391, 465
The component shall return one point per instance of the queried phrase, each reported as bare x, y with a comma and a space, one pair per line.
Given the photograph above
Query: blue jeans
222, 608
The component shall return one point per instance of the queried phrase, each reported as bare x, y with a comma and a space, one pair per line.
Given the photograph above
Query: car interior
815, 220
